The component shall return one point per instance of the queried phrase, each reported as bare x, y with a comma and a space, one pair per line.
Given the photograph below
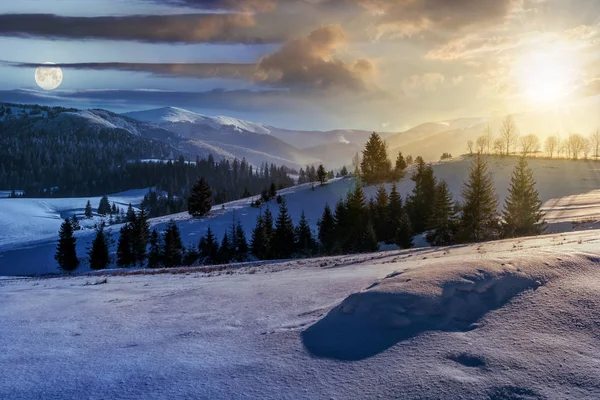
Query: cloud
309, 62
244, 5
193, 70
428, 82
184, 28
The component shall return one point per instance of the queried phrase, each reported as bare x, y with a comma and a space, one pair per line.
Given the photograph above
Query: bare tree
529, 144
482, 144
575, 145
595, 142
508, 133
470, 146
551, 145
489, 138
499, 146
587, 148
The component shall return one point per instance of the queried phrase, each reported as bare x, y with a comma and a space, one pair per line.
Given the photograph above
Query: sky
380, 65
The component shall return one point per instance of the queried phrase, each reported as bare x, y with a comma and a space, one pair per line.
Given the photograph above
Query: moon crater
48, 78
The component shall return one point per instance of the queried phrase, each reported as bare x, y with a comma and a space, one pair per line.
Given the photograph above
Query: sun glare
546, 76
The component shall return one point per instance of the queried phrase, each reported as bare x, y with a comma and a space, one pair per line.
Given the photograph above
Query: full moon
48, 78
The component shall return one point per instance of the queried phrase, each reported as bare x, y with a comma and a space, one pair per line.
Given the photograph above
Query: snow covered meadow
515, 319
27, 245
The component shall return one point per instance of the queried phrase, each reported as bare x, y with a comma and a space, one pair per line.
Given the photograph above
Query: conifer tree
154, 254
114, 210
130, 216
88, 210
75, 223
269, 233
344, 171
400, 164
283, 243
209, 248
173, 247
356, 219
479, 220
312, 174
104, 206
190, 256
125, 256
419, 204
404, 233
272, 191
200, 199
341, 224
368, 240
381, 220
375, 165
301, 177
240, 244
140, 232
66, 253
522, 215
327, 230
305, 244
258, 242
225, 250
322, 174
99, 257
395, 212
443, 218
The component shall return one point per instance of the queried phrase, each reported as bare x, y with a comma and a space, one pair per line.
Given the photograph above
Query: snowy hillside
568, 188
513, 319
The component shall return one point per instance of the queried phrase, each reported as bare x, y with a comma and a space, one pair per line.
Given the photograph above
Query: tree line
575, 146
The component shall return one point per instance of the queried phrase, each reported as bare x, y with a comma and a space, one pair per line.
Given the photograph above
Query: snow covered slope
568, 188
513, 319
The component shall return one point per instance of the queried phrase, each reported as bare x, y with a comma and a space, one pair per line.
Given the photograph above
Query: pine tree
190, 256
381, 219
522, 215
272, 191
404, 233
140, 233
356, 219
75, 223
269, 233
66, 253
104, 206
283, 239
225, 250
479, 220
400, 164
327, 230
341, 224
114, 210
419, 204
344, 171
99, 257
88, 210
209, 248
305, 244
301, 177
258, 242
154, 254
368, 240
125, 256
443, 219
375, 165
173, 247
240, 244
130, 216
394, 213
200, 199
322, 174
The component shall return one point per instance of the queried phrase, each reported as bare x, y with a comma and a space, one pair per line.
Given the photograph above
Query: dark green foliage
419, 204
409, 160
404, 233
321, 174
327, 232
104, 206
173, 247
125, 256
239, 242
375, 165
88, 210
352, 221
154, 254
66, 253
200, 200
443, 220
140, 233
400, 164
209, 248
305, 243
259, 244
99, 257
225, 250
368, 240
479, 220
344, 171
272, 190
75, 223
130, 217
114, 210
283, 243
190, 256
522, 215
381, 216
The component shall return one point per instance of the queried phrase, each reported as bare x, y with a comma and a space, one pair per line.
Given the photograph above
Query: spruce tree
404, 232
99, 257
140, 233
66, 253
104, 206
419, 204
88, 210
173, 247
125, 256
305, 244
240, 244
322, 174
283, 243
341, 225
368, 240
114, 210
356, 219
375, 165
400, 164
395, 212
130, 216
225, 250
154, 254
209, 248
190, 256
443, 218
479, 220
344, 171
327, 230
200, 199
75, 223
272, 191
381, 220
258, 242
269, 233
522, 215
